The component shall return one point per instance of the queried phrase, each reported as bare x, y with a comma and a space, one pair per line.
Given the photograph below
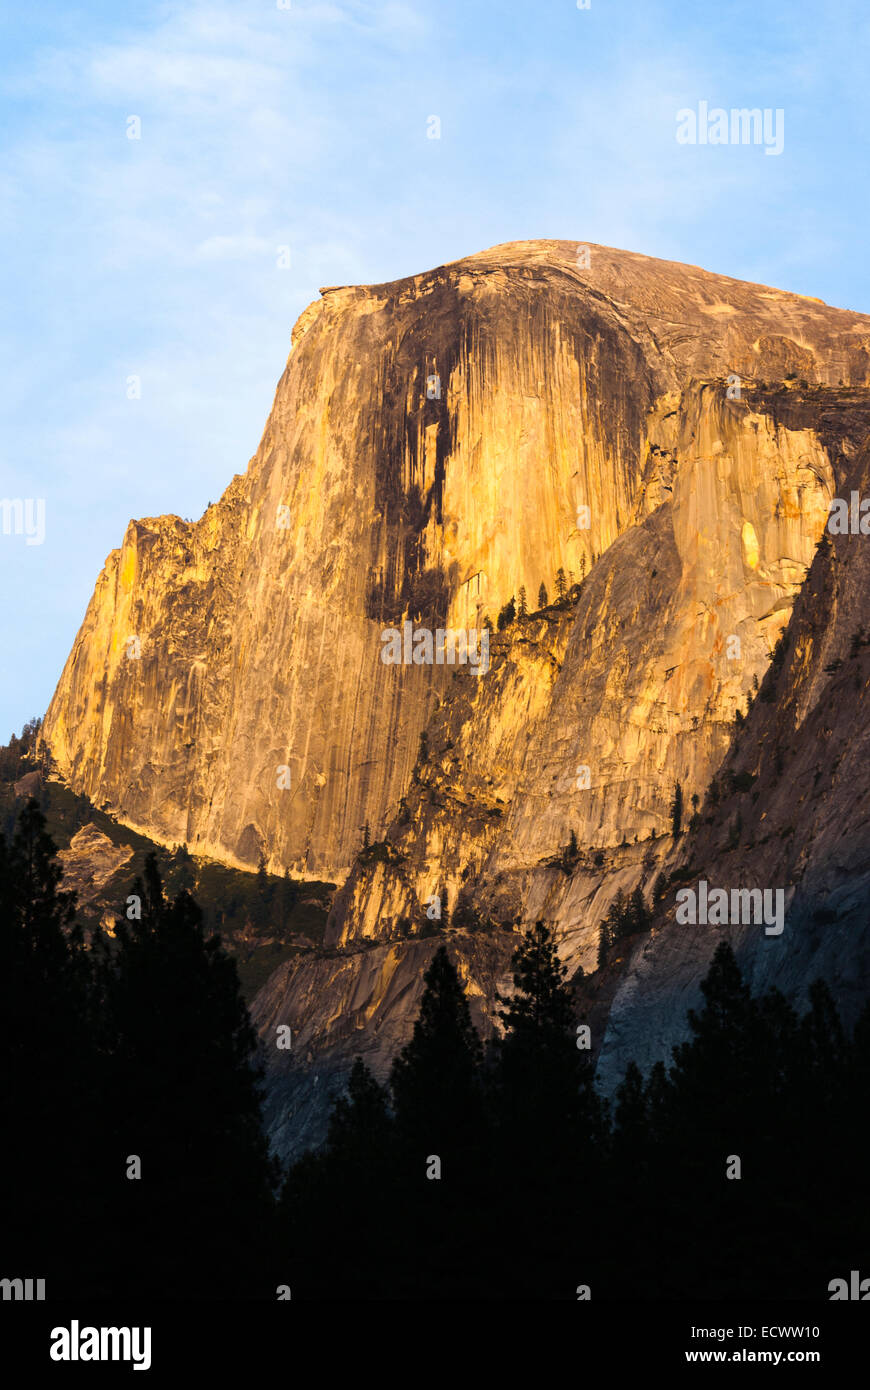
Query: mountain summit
632, 461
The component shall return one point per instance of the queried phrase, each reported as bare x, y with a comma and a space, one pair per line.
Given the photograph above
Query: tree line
136, 1162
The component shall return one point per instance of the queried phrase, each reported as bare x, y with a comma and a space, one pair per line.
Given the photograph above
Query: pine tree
522, 610
629, 1177
288, 897
721, 1059
782, 1059
540, 1010
824, 1044
435, 1081
677, 811
859, 1083
183, 1093
561, 585
604, 944
571, 851
360, 1126
544, 1102
630, 1119
507, 615
341, 1203
183, 869
263, 897
544, 1088
658, 1096
638, 917
617, 923
542, 596
49, 1087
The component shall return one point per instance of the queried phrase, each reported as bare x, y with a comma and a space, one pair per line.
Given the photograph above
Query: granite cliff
670, 440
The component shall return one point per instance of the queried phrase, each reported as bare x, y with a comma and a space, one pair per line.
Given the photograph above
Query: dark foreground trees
47, 1059
182, 1090
134, 1162
734, 1172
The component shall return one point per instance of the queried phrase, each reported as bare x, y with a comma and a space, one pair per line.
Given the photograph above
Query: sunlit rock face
428, 450
589, 716
662, 435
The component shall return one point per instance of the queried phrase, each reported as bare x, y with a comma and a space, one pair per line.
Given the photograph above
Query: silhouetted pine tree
360, 1126
183, 1093
435, 1082
604, 944
722, 1052
331, 1242
506, 615
854, 1153
288, 898
544, 1103
625, 917
639, 918
262, 910
49, 1090
677, 810
440, 1129
543, 1080
630, 1123
183, 869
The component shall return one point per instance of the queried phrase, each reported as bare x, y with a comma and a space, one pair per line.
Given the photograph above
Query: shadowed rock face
432, 446
798, 818
88, 865
339, 1007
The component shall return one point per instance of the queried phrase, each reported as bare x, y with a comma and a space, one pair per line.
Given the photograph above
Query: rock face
90, 862
666, 438
792, 810
28, 785
214, 653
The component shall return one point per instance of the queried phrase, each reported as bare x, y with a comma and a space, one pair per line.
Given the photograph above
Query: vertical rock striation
667, 438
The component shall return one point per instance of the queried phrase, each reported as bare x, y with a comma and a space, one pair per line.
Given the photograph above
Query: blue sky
306, 128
